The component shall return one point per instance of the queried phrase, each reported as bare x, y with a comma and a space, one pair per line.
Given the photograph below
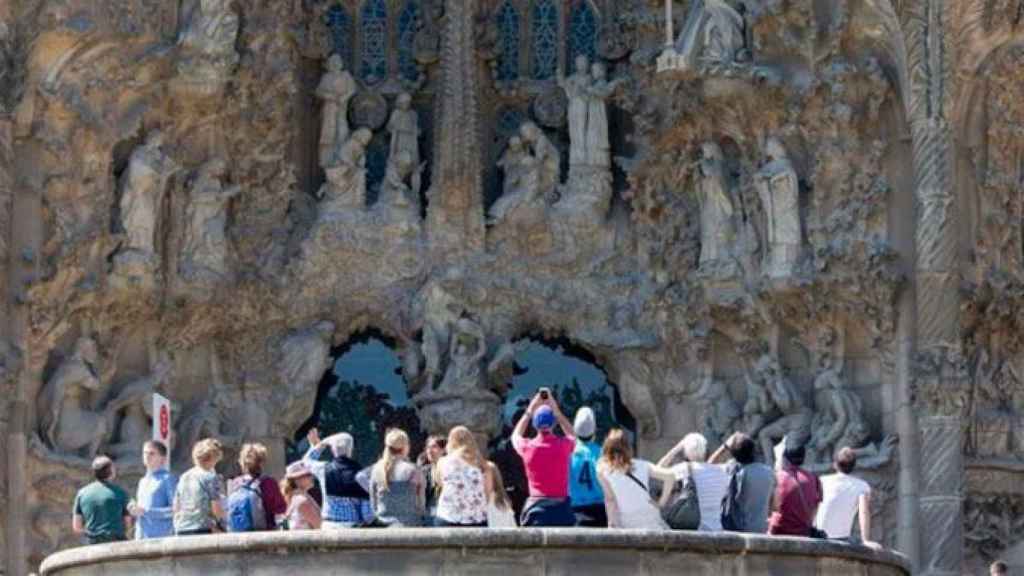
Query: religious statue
713, 34
779, 188
840, 422
521, 184
775, 408
397, 190
134, 405
346, 177
205, 251
305, 358
719, 413
588, 90
336, 88
404, 126
575, 87
207, 42
68, 422
546, 156
717, 231
142, 192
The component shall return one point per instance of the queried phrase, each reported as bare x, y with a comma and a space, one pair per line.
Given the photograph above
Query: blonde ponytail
395, 444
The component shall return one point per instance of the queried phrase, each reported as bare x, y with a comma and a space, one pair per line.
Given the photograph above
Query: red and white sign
162, 420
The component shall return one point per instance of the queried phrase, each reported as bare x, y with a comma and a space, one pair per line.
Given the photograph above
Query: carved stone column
455, 215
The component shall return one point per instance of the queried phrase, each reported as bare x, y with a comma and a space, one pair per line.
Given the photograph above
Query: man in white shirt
843, 497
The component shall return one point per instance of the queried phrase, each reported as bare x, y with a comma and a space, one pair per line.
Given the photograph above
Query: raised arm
668, 480
671, 455
519, 432
721, 454
563, 422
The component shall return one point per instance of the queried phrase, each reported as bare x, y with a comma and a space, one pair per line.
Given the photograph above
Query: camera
545, 393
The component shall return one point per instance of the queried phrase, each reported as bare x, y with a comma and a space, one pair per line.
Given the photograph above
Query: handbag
812, 531
732, 518
683, 510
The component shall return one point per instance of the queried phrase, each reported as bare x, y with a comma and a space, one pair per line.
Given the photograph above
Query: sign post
162, 420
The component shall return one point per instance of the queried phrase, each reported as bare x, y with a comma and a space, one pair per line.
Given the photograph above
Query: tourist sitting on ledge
843, 497
546, 459
796, 497
346, 500
303, 512
751, 486
626, 483
465, 482
396, 485
711, 480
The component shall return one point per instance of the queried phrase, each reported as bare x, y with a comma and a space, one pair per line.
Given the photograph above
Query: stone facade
789, 218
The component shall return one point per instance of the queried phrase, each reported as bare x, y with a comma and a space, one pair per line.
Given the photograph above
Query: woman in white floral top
465, 481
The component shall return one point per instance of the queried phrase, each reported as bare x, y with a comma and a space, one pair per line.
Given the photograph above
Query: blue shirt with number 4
584, 489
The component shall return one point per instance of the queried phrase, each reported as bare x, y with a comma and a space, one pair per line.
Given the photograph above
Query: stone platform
508, 552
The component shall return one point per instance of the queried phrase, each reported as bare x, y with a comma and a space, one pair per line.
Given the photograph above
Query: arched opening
576, 379
363, 394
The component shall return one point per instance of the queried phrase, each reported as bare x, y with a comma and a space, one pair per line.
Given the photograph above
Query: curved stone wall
477, 552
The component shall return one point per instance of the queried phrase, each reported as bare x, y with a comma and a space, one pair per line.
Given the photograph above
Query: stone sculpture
546, 156
346, 178
521, 186
713, 34
305, 357
336, 88
142, 193
839, 422
398, 189
404, 127
717, 231
779, 189
575, 87
205, 251
67, 421
720, 415
588, 90
774, 407
206, 44
134, 405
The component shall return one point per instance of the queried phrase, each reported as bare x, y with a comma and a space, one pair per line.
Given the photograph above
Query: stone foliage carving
207, 43
204, 256
336, 88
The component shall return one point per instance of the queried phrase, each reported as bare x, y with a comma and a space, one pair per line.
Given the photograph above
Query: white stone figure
305, 358
546, 156
205, 252
134, 405
775, 408
598, 144
521, 185
142, 191
840, 421
336, 88
346, 178
713, 34
397, 190
717, 231
779, 188
68, 421
404, 127
207, 42
576, 87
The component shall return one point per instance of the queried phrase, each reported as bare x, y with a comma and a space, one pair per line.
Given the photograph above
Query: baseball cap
584, 424
543, 418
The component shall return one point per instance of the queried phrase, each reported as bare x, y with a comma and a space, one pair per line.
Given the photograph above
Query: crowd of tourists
573, 480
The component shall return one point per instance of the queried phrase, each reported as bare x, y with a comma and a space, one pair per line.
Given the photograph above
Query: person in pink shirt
546, 459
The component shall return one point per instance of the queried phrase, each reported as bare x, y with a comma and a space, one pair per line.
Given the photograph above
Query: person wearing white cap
303, 513
584, 489
346, 500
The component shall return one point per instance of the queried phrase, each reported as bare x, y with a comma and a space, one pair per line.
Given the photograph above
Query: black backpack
732, 519
683, 509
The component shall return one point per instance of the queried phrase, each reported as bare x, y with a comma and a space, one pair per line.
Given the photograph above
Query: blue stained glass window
339, 24
373, 62
407, 41
582, 31
508, 43
544, 32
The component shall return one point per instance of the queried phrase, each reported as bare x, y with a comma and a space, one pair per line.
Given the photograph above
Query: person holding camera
546, 459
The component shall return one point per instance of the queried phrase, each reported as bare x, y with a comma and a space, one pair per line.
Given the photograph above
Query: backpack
245, 507
683, 509
732, 519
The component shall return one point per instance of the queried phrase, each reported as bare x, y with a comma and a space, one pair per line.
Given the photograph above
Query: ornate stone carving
404, 127
713, 36
717, 230
131, 412
204, 256
587, 91
940, 386
521, 200
68, 423
839, 422
336, 88
207, 56
345, 188
305, 355
720, 415
774, 407
546, 156
993, 523
779, 189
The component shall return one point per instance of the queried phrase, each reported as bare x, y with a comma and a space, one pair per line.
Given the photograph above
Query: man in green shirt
101, 508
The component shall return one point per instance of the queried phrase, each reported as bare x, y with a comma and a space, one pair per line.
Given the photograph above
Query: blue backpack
245, 507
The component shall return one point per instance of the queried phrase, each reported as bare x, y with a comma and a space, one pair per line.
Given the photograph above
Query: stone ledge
466, 540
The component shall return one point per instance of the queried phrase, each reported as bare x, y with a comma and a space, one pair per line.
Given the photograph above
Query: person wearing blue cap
546, 459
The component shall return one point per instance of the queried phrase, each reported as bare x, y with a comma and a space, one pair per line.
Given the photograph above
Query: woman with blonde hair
626, 482
197, 506
396, 485
466, 482
303, 513
499, 508
242, 516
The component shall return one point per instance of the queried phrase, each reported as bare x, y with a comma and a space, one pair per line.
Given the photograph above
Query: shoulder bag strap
629, 474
